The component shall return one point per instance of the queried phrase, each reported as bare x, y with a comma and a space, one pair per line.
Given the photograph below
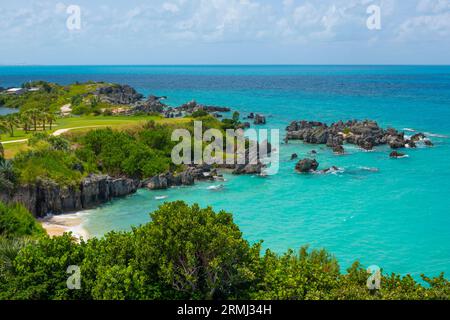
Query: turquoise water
396, 216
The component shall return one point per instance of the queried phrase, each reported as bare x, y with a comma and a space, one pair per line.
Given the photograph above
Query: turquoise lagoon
392, 213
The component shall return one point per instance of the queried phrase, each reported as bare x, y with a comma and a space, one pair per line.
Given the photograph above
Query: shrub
17, 221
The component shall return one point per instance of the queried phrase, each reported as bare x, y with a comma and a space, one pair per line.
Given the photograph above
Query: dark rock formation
396, 154
428, 143
251, 115
185, 178
338, 149
294, 156
193, 106
152, 104
329, 170
244, 125
46, 196
259, 119
410, 144
306, 165
119, 94
365, 134
418, 136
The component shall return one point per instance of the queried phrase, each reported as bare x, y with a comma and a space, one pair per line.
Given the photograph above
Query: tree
196, 253
50, 117
25, 121
33, 115
10, 122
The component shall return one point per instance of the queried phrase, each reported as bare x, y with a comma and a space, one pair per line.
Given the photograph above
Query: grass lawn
79, 122
12, 149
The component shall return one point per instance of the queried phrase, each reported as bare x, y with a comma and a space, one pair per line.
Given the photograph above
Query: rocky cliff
46, 197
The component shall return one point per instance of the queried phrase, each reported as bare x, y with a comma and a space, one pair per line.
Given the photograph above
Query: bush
17, 221
188, 252
44, 162
199, 113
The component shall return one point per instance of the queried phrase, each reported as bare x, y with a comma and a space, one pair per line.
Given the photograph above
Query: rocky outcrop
259, 119
366, 134
428, 143
46, 196
193, 106
119, 94
306, 165
294, 156
152, 104
186, 178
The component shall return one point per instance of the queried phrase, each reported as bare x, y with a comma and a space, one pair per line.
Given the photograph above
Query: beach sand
60, 224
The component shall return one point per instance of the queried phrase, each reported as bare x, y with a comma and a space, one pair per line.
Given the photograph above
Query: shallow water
392, 213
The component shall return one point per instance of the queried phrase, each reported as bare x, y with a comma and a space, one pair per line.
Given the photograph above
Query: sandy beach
57, 225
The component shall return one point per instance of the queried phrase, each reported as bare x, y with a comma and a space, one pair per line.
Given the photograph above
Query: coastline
57, 225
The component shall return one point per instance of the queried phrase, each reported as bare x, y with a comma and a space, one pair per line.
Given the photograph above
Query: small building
15, 90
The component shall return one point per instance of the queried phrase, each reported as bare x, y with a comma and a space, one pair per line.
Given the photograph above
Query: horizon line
216, 65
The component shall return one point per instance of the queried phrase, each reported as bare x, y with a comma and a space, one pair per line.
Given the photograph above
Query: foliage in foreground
188, 253
16, 221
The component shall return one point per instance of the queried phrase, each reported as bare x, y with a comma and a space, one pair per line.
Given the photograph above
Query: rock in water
259, 119
338, 149
410, 144
418, 136
294, 156
428, 143
396, 154
306, 165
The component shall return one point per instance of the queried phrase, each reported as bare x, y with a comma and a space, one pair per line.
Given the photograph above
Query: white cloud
433, 6
431, 23
171, 7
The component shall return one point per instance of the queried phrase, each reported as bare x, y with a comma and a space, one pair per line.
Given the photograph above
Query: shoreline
57, 225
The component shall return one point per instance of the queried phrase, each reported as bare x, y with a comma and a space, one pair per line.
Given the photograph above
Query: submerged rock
428, 143
294, 156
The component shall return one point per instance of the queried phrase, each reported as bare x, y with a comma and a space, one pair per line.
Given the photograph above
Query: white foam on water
214, 188
370, 169
436, 135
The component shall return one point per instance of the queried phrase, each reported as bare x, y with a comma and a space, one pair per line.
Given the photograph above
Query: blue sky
225, 32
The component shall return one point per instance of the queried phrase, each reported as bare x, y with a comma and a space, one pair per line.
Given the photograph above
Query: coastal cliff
46, 196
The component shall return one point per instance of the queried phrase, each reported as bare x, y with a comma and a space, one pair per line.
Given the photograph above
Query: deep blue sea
391, 213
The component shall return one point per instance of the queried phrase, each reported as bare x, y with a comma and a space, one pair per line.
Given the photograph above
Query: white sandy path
56, 133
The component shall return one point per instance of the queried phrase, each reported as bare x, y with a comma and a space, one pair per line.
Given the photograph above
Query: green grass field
80, 124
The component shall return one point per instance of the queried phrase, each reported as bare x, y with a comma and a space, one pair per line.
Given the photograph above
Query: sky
154, 32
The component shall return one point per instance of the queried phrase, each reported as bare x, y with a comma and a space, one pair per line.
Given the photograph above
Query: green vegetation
140, 154
187, 252
17, 222
138, 150
199, 114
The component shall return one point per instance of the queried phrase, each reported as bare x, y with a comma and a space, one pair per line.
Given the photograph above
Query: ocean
380, 211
